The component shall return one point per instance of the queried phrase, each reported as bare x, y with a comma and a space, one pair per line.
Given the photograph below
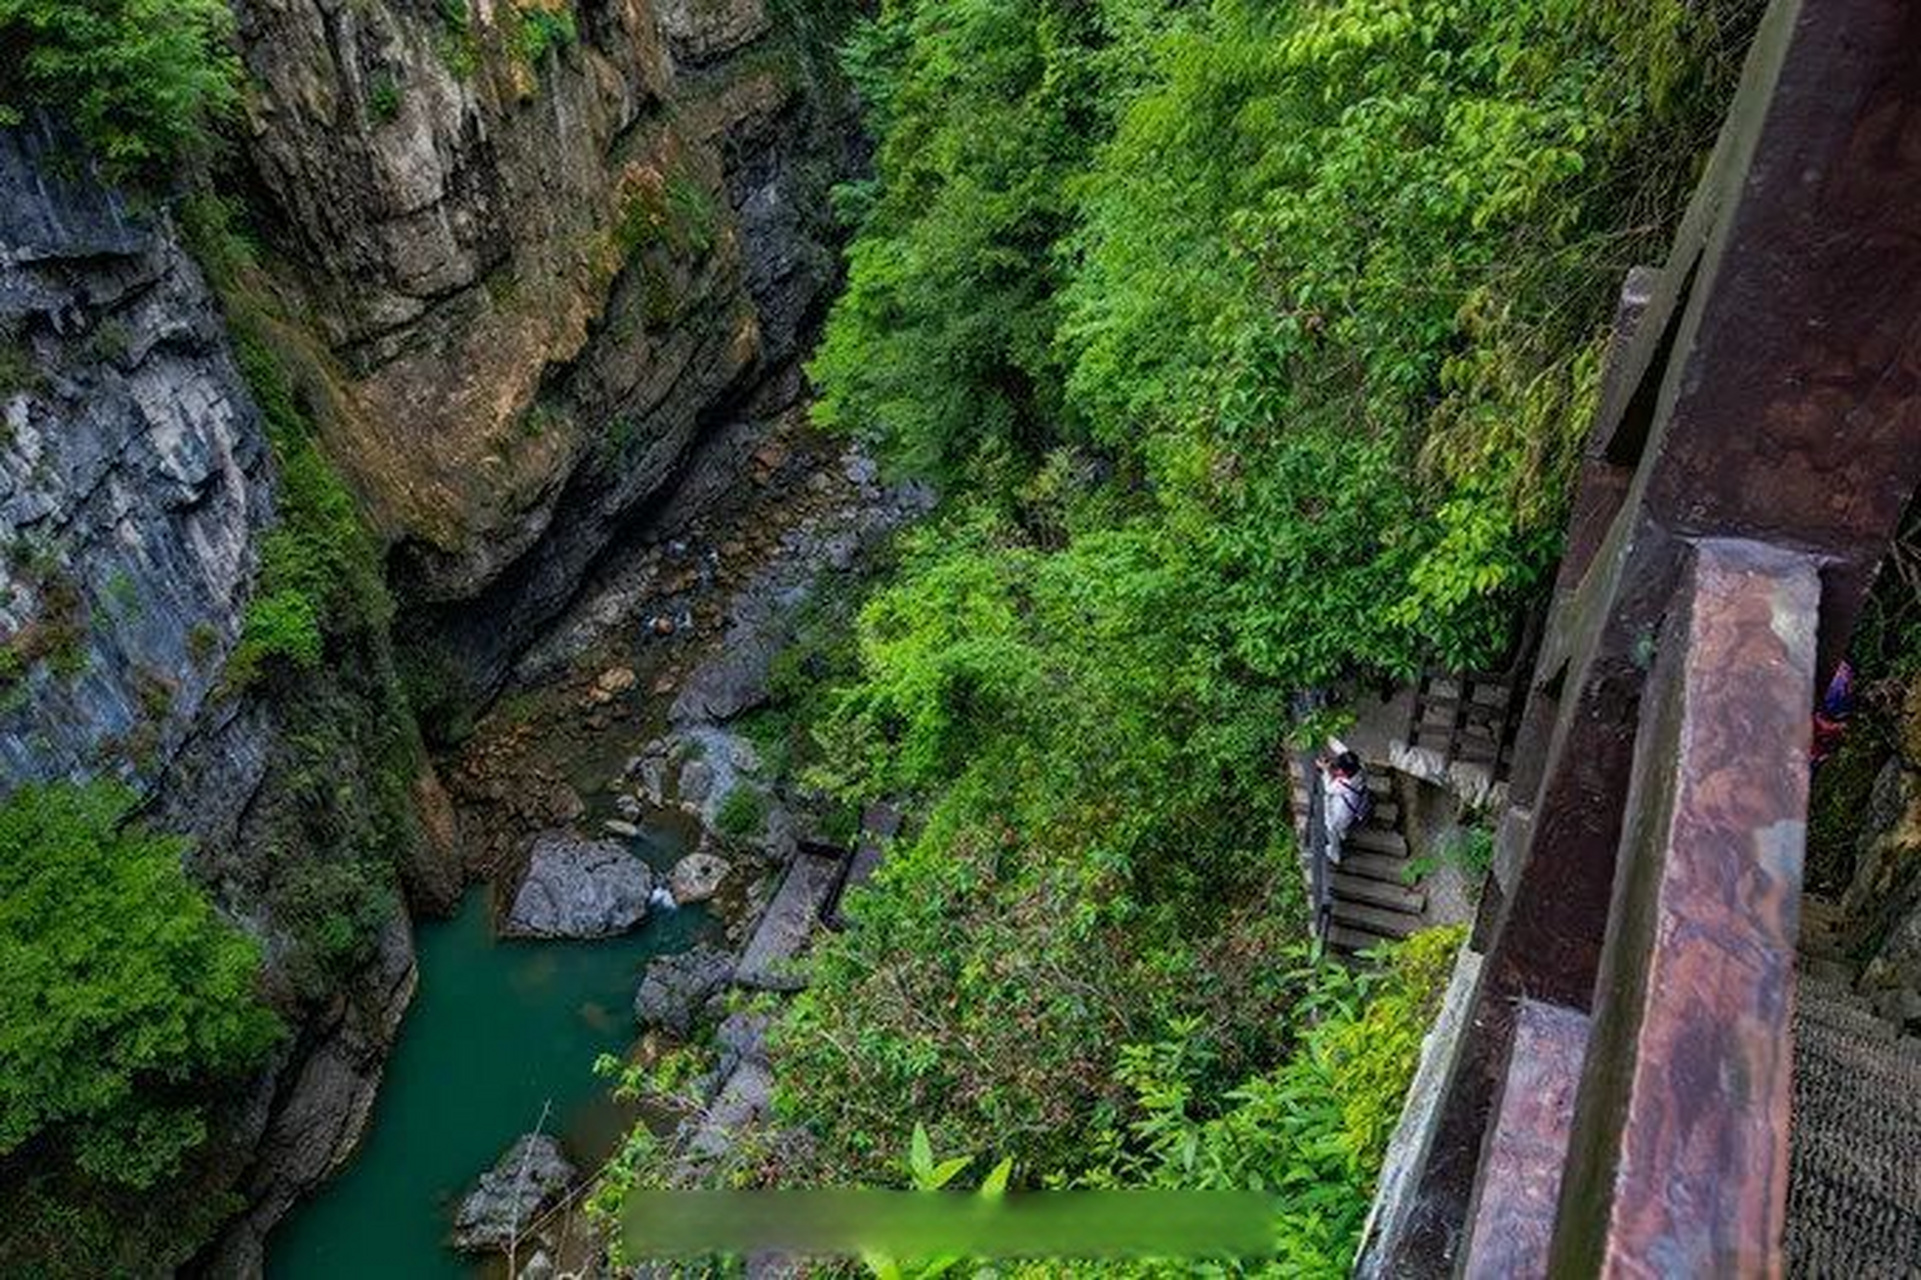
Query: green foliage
455, 43
19, 373
140, 79
927, 1174
623, 436
1838, 802
202, 639
1312, 1131
1330, 279
692, 212
743, 814
56, 633
109, 341
383, 98
124, 989
946, 329
540, 418
1253, 344
1399, 229
1470, 849
535, 30
59, 1227
676, 212
1100, 831
318, 569
335, 911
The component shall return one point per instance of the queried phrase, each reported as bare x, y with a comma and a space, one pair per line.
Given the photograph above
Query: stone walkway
1854, 1182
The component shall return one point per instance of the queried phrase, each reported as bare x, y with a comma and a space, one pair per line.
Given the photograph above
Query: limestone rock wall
134, 481
545, 262
525, 254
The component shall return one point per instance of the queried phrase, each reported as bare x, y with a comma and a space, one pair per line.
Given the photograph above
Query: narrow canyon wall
517, 258
544, 265
136, 486
133, 488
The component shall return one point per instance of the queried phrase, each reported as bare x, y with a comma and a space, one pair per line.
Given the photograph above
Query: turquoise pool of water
496, 1031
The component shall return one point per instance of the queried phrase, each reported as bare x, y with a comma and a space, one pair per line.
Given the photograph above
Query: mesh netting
1854, 1187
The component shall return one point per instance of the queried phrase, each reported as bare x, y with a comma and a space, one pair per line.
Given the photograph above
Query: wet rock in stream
742, 1037
578, 888
698, 876
527, 1178
676, 988
769, 962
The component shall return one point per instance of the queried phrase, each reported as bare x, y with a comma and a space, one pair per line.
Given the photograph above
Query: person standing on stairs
1347, 800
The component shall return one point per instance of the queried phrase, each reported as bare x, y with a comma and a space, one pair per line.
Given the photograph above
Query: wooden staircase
1372, 899
1471, 717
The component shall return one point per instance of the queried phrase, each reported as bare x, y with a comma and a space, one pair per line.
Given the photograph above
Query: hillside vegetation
1253, 344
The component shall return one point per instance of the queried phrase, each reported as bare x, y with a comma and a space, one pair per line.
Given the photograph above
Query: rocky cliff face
136, 484
548, 246
133, 488
525, 256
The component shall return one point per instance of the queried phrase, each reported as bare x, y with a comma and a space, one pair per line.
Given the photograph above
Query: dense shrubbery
946, 329
124, 991
1254, 343
1313, 1130
1084, 872
1333, 267
140, 79
338, 814
319, 571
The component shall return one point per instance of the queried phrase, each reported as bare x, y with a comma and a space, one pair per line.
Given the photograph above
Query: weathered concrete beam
1678, 1163
1789, 412
1511, 1221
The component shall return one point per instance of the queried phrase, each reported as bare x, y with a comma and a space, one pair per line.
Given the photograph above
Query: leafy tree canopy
140, 79
124, 989
1253, 343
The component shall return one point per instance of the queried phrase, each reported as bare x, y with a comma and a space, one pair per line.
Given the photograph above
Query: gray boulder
674, 988
529, 1177
696, 782
698, 876
652, 779
746, 1100
578, 888
741, 1037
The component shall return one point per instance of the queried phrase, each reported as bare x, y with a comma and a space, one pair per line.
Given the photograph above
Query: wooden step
1342, 938
1496, 703
1372, 841
1379, 893
1389, 924
1374, 866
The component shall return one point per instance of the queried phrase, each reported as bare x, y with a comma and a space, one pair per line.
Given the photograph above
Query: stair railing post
1322, 903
